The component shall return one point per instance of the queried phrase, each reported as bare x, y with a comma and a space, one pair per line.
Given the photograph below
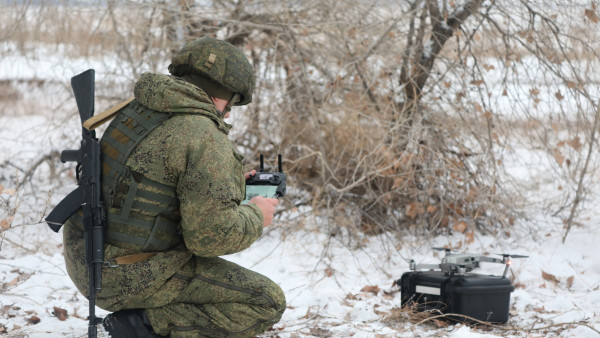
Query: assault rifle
88, 193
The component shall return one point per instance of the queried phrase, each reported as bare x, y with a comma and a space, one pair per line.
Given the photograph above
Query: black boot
132, 323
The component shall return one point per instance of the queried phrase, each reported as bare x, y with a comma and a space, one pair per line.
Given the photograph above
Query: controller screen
260, 190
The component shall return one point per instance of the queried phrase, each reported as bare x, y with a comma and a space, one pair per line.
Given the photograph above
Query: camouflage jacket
189, 151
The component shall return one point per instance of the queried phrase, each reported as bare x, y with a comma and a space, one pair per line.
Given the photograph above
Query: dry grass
330, 96
434, 320
8, 93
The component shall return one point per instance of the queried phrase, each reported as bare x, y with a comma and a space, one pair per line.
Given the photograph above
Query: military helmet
218, 61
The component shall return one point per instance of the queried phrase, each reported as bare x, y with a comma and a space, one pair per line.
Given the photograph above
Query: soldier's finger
273, 201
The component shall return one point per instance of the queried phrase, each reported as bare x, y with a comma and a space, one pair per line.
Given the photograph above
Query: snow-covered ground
335, 285
333, 290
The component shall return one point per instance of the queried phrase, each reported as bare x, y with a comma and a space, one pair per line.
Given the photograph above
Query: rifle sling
107, 115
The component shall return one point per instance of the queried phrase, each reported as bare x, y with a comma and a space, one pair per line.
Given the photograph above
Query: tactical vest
142, 214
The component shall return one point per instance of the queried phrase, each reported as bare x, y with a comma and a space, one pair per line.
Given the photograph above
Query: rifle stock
83, 88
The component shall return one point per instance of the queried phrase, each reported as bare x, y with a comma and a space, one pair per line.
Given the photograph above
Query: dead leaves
534, 92
574, 85
460, 227
9, 311
29, 317
374, 289
570, 282
33, 320
550, 277
559, 152
61, 314
413, 209
470, 237
575, 143
5, 191
366, 292
440, 323
554, 280
13, 311
350, 296
527, 34
591, 14
559, 96
558, 156
477, 82
488, 115
18, 280
7, 222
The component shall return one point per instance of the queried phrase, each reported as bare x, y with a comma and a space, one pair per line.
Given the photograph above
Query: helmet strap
235, 98
213, 90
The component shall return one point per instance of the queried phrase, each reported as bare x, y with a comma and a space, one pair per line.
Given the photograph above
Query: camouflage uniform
187, 290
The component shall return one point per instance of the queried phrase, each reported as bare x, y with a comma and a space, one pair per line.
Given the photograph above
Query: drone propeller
462, 263
447, 250
512, 256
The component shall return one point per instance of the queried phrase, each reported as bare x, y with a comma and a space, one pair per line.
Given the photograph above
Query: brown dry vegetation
386, 113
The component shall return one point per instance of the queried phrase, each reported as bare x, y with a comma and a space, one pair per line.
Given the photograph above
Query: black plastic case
482, 297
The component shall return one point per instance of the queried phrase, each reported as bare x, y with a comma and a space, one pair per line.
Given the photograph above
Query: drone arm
505, 270
490, 259
427, 266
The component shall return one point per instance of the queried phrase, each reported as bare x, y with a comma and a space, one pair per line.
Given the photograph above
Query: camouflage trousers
221, 299
184, 295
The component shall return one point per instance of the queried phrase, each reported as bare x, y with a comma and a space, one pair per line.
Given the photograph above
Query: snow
323, 286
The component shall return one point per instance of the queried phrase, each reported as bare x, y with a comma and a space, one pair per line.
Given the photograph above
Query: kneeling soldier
172, 183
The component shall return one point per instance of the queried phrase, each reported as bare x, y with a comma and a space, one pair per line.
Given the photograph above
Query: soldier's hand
247, 175
267, 206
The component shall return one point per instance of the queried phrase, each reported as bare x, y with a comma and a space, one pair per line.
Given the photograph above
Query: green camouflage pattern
230, 68
188, 291
222, 299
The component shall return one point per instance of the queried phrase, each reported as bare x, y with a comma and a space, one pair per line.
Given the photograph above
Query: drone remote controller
266, 184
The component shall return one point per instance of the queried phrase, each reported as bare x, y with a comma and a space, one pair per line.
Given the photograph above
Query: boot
132, 323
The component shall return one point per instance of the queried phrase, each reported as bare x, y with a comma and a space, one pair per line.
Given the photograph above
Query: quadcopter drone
461, 263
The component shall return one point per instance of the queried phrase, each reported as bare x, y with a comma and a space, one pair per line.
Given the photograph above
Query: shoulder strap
122, 137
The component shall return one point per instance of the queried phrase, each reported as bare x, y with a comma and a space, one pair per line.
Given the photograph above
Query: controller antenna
262, 163
279, 163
